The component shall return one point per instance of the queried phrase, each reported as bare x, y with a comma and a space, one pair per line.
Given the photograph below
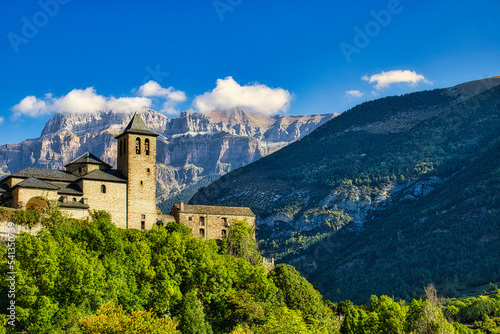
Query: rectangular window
202, 232
223, 222
202, 221
223, 233
190, 218
143, 216
143, 225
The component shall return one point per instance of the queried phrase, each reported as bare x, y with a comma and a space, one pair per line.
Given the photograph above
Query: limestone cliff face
190, 147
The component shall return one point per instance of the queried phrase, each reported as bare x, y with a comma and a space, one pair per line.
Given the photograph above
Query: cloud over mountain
88, 101
385, 79
228, 94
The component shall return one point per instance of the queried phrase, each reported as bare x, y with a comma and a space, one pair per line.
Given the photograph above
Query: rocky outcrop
190, 147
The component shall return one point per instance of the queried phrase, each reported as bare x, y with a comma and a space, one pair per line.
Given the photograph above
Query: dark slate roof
66, 188
216, 210
45, 174
35, 183
100, 175
73, 205
137, 126
88, 158
4, 188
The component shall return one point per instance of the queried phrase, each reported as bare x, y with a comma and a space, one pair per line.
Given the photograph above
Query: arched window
74, 199
103, 189
146, 146
138, 145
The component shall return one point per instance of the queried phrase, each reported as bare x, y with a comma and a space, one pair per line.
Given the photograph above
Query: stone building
127, 193
210, 222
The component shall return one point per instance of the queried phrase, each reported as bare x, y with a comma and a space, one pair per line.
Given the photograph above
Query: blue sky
292, 57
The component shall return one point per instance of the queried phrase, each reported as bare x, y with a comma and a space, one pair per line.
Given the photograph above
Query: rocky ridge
191, 148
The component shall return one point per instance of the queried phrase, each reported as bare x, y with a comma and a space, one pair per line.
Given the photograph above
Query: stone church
128, 193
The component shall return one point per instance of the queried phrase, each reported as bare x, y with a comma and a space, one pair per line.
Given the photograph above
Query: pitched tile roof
66, 188
35, 183
100, 175
45, 174
88, 158
74, 205
216, 210
137, 126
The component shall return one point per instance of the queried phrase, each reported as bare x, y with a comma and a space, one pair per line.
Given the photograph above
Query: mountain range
390, 196
193, 149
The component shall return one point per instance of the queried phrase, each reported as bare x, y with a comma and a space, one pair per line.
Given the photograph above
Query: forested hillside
388, 197
91, 277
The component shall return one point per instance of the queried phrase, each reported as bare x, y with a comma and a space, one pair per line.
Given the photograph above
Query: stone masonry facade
211, 222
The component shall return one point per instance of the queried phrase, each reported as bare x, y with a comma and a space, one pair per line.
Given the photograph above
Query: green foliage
112, 318
89, 276
28, 218
192, 315
241, 242
298, 294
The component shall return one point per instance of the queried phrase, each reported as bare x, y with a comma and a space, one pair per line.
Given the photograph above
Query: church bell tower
136, 156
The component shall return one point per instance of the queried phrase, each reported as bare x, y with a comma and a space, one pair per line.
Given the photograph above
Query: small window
148, 170
80, 170
120, 145
74, 199
223, 222
159, 223
103, 189
223, 233
190, 218
146, 146
141, 183
202, 221
202, 232
124, 146
143, 217
138, 145
143, 225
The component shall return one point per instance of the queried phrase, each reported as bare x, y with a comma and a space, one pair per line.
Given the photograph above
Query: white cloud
1, 119
152, 88
228, 94
31, 106
128, 104
385, 79
354, 93
172, 97
80, 101
88, 101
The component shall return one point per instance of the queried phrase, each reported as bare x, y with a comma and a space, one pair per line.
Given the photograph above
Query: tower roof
137, 126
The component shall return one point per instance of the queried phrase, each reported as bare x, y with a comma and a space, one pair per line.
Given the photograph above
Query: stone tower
136, 155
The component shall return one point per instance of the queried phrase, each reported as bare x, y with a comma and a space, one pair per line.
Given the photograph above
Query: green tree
298, 294
241, 242
192, 315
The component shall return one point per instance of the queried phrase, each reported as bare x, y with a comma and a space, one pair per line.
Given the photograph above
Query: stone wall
21, 196
210, 226
114, 201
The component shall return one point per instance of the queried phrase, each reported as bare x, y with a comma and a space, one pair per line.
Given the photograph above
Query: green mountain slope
387, 197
